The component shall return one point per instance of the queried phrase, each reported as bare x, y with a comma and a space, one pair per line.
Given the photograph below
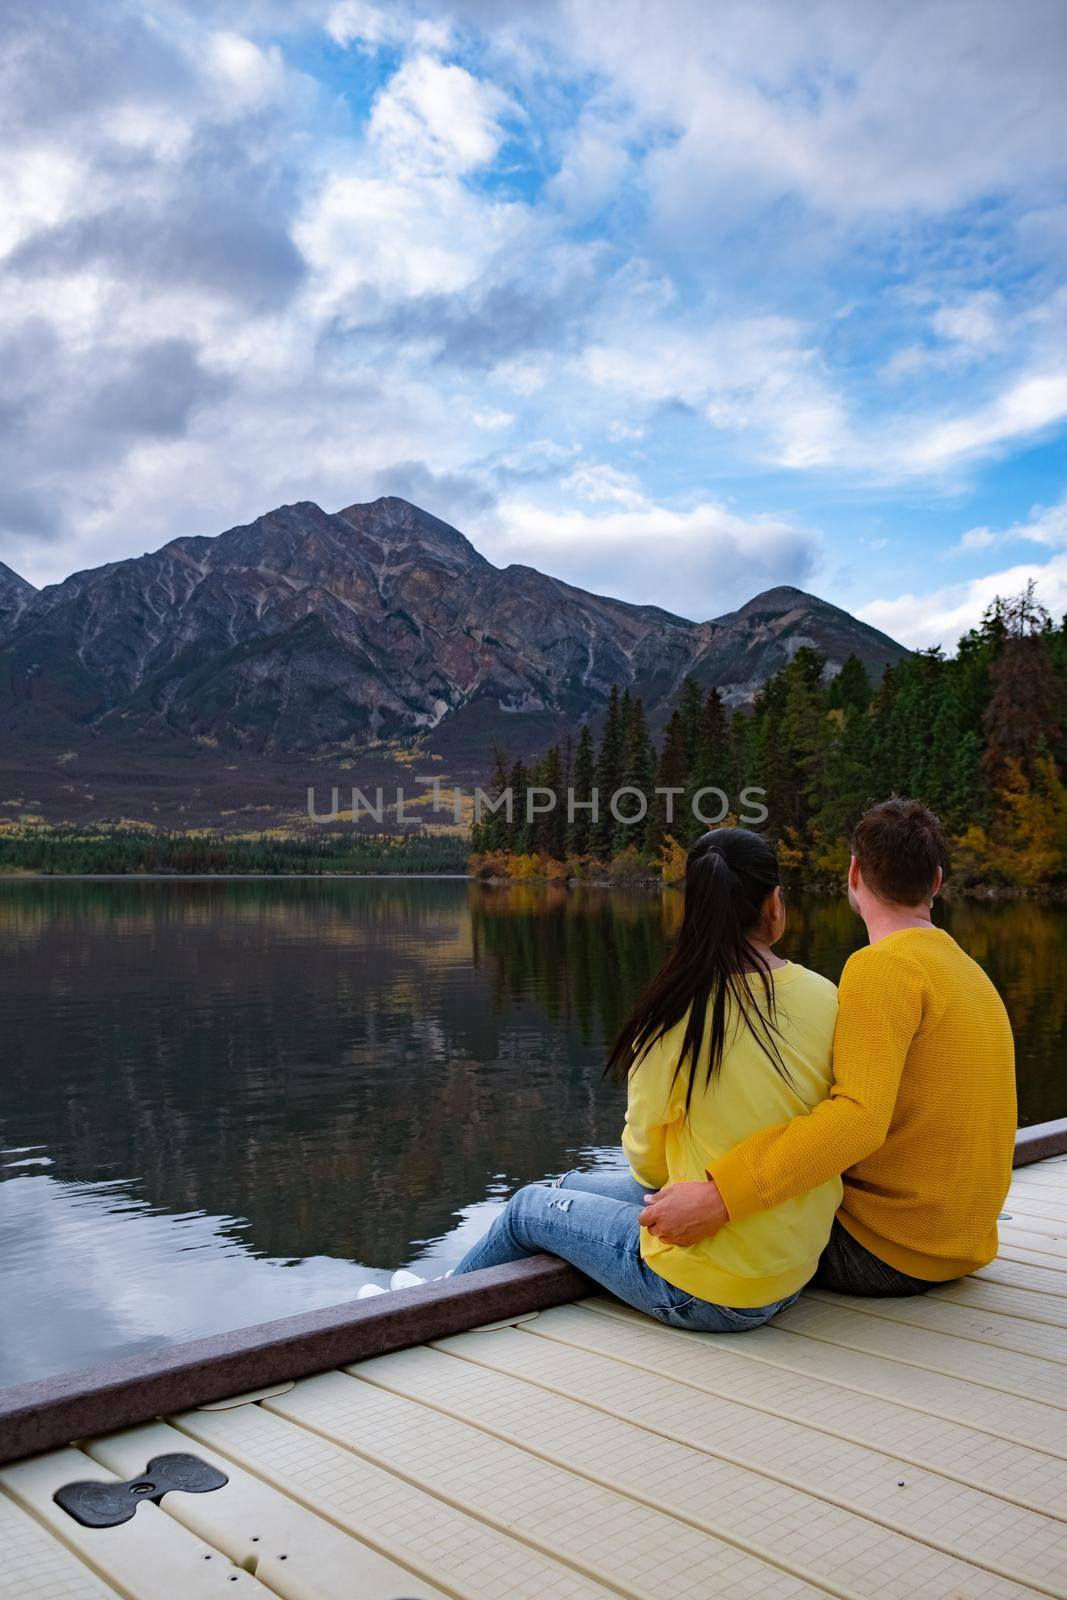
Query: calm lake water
228, 1101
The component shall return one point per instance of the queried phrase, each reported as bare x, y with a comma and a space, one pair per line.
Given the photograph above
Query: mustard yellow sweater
921, 1117
761, 1258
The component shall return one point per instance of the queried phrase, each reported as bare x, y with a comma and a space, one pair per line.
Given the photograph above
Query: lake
226, 1101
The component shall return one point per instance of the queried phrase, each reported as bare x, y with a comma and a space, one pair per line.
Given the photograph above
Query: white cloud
1045, 525
245, 74
537, 457
943, 615
976, 321
41, 188
697, 563
595, 168
857, 111
754, 376
371, 27
600, 482
907, 361
489, 249
398, 221
158, 130
974, 539
434, 117
1027, 407
371, 239
523, 375
359, 22
962, 332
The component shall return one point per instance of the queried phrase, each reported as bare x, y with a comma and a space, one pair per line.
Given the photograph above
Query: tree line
979, 736
136, 850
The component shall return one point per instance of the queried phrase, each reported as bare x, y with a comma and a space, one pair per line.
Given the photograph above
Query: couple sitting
780, 1132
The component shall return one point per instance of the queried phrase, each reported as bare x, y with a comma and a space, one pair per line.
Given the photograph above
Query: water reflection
227, 1101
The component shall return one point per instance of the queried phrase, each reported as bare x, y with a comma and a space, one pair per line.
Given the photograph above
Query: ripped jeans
590, 1220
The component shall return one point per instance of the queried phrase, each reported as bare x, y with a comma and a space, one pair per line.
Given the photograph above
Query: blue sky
674, 303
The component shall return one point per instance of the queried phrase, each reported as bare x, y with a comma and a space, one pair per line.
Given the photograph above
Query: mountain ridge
15, 595
310, 631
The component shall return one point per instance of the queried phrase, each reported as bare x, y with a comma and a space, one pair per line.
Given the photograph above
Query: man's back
926, 1199
920, 1120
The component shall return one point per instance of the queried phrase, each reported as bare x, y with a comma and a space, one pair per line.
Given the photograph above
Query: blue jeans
590, 1220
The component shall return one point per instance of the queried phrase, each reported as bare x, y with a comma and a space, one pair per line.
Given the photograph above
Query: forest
133, 849
978, 736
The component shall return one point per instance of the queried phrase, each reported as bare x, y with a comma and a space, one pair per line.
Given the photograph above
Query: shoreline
224, 877
1056, 895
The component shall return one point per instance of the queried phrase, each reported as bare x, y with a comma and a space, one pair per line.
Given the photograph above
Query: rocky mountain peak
777, 601
405, 530
312, 631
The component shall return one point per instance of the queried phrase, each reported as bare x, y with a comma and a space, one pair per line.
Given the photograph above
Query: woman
728, 1039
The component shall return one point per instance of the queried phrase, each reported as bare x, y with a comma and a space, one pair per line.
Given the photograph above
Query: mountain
308, 632
15, 594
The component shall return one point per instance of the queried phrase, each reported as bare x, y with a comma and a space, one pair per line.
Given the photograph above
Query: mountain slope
305, 631
15, 595
748, 646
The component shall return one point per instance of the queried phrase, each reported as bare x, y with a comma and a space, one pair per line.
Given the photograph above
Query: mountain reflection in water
227, 1101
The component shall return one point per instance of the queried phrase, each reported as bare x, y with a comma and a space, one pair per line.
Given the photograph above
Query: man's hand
685, 1213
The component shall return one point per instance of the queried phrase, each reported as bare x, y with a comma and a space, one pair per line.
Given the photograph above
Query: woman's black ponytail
729, 874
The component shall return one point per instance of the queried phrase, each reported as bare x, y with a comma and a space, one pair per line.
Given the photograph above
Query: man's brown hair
899, 846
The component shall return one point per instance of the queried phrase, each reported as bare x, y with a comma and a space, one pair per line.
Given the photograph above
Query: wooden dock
870, 1450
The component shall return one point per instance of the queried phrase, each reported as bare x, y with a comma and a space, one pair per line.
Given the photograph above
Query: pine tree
851, 689
712, 767
743, 770
609, 770
639, 774
491, 833
794, 743
1025, 713
579, 831
979, 736
690, 709
551, 826
519, 830
668, 816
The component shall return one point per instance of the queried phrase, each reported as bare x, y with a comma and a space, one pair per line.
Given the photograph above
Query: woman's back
768, 1256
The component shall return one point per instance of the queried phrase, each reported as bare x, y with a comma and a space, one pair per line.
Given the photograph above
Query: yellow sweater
764, 1257
921, 1118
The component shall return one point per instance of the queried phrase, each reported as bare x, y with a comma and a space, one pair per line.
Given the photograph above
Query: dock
570, 1449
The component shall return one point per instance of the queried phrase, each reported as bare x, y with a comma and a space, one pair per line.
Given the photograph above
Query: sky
676, 302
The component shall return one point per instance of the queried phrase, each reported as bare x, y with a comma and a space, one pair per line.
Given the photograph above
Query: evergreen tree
611, 763
519, 830
672, 772
550, 827
742, 743
579, 831
851, 689
639, 774
491, 833
626, 711
794, 743
690, 709
980, 736
1024, 716
712, 768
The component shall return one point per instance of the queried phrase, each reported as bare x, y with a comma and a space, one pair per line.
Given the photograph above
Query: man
921, 1119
